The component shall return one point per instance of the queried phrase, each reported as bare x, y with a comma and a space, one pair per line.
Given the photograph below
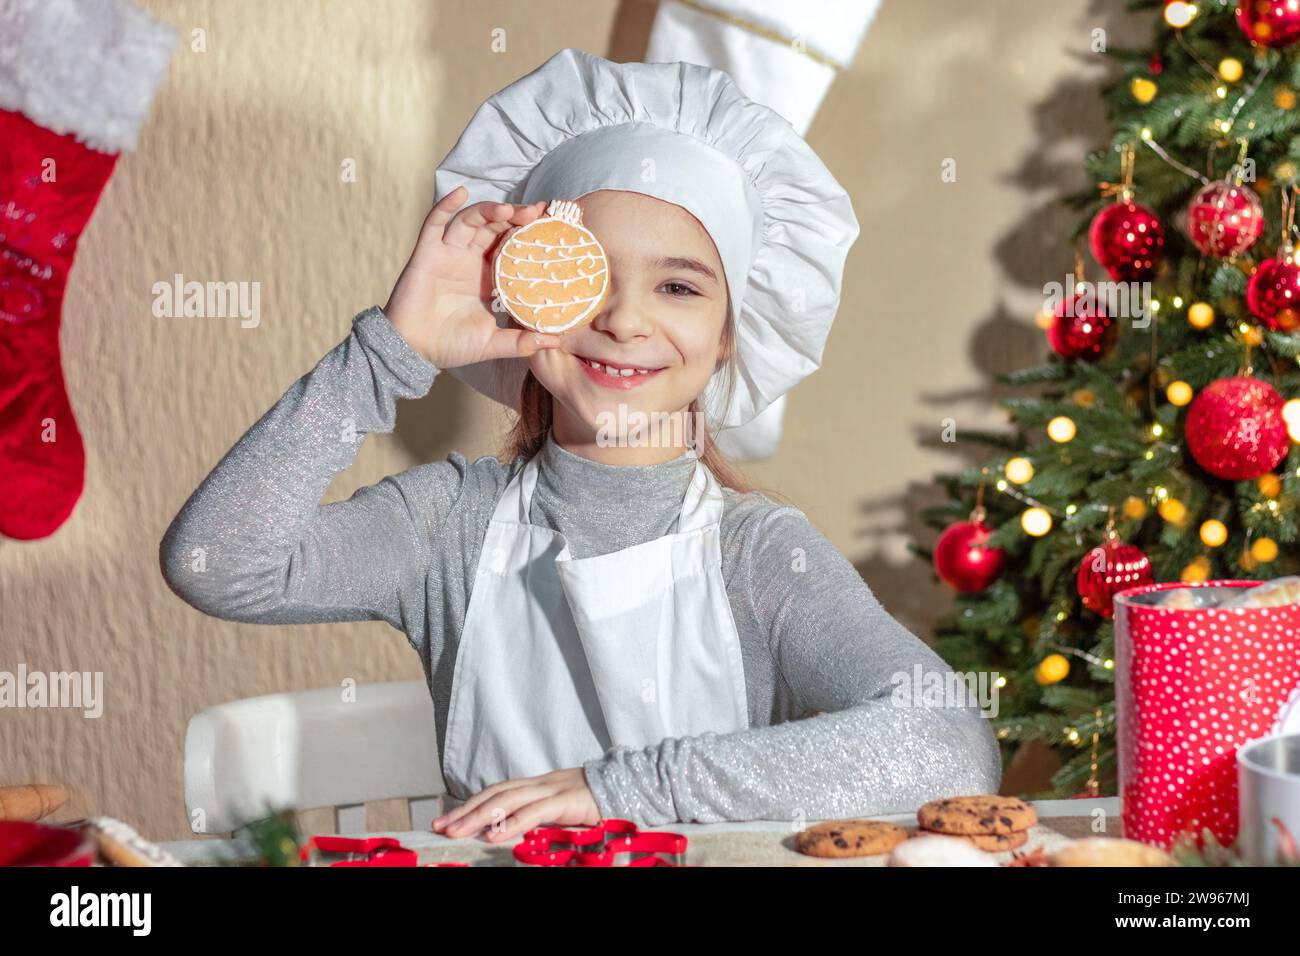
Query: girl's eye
679, 289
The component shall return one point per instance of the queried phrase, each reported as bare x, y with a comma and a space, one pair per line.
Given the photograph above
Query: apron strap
702, 506
513, 505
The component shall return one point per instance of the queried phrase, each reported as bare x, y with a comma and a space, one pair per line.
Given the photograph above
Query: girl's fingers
460, 232
474, 802
528, 816
519, 343
493, 812
521, 216
526, 214
469, 225
487, 235
444, 209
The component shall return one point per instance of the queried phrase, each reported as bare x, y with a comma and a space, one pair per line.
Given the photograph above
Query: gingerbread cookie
552, 275
984, 813
844, 838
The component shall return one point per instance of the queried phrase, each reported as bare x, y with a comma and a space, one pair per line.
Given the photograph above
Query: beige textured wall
237, 178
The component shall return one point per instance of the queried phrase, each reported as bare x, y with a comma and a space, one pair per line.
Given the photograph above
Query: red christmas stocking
76, 81
49, 185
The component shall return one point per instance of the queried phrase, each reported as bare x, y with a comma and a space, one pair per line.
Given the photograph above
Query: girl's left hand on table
509, 808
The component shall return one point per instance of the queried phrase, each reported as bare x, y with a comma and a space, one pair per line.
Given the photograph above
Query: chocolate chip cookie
843, 838
995, 842
985, 813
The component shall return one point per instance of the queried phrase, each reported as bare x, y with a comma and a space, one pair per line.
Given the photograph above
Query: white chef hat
685, 134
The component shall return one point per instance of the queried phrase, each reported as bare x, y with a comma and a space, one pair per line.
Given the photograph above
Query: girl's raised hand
441, 302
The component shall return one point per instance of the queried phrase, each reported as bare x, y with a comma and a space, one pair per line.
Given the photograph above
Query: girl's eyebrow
683, 262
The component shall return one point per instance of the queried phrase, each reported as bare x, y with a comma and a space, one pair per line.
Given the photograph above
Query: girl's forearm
253, 543
878, 757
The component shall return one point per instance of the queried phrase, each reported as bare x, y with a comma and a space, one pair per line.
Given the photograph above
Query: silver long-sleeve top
405, 549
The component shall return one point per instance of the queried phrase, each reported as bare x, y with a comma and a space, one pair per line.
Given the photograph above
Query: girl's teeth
625, 372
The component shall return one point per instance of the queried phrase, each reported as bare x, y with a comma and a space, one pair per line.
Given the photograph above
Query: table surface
753, 843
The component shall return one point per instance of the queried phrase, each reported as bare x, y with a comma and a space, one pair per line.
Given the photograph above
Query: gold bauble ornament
1143, 89
1264, 550
1052, 669
1200, 315
1173, 511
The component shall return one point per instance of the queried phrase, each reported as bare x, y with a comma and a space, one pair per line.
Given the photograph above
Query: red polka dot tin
1192, 685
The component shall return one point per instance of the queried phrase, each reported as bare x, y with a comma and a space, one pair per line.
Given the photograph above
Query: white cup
1268, 777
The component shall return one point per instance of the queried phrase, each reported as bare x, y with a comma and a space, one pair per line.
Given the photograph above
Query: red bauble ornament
962, 560
1273, 292
1274, 23
1225, 219
1081, 330
1235, 428
1109, 568
1127, 239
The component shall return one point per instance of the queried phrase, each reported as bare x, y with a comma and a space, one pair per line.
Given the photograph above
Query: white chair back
312, 749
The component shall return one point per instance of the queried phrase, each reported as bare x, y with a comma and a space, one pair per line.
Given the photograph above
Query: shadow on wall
1037, 249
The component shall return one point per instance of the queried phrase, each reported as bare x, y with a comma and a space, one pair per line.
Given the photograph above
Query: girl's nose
622, 316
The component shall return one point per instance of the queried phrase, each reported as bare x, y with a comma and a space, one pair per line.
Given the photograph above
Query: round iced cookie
552, 275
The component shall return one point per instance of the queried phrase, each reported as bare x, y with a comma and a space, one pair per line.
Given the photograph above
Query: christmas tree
1156, 443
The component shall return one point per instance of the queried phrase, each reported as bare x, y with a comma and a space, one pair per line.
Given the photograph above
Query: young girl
609, 626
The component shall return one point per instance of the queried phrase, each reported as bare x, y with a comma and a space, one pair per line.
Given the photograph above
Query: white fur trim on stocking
85, 67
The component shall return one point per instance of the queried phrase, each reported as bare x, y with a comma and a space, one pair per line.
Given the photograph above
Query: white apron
562, 658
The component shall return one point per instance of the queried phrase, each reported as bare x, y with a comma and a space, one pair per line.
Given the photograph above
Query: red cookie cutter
360, 851
608, 843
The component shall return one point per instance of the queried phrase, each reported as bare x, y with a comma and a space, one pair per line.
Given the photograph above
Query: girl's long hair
537, 412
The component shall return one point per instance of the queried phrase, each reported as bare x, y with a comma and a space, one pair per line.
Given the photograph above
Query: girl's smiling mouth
615, 375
